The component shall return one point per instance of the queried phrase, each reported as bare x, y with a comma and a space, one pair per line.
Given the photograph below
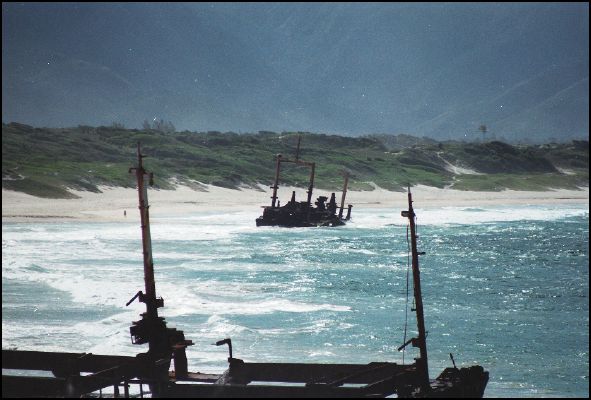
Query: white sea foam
114, 278
203, 226
192, 304
371, 218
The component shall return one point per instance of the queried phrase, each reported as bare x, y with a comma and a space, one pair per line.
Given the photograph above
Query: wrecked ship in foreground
164, 367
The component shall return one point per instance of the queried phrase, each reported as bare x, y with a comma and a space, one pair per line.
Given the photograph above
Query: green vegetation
47, 162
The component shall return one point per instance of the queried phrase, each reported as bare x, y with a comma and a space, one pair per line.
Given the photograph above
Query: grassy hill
47, 162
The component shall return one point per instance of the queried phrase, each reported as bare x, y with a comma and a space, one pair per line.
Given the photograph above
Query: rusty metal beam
244, 373
345, 185
53, 361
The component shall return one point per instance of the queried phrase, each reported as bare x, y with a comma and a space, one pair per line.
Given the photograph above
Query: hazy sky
437, 69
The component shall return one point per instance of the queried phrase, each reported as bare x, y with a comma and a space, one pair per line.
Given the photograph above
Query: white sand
112, 202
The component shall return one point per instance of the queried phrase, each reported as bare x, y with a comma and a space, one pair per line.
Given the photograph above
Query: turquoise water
503, 287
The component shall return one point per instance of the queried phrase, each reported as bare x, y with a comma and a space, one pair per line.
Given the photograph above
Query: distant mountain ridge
426, 69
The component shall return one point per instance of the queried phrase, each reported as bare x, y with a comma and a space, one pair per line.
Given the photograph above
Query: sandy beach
115, 204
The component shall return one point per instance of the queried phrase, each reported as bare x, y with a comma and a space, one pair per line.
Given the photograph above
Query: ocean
505, 287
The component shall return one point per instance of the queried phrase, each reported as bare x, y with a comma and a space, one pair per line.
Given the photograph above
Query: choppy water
504, 287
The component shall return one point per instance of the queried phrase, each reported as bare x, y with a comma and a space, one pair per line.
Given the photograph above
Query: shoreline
120, 204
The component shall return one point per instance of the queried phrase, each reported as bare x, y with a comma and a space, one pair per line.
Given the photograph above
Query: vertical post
311, 185
349, 213
150, 285
276, 184
332, 204
343, 195
422, 364
181, 368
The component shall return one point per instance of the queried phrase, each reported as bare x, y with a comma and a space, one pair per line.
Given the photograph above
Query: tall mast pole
311, 184
344, 194
150, 286
276, 184
163, 342
421, 341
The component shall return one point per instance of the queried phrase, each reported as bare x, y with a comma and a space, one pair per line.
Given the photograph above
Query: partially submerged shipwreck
83, 374
303, 213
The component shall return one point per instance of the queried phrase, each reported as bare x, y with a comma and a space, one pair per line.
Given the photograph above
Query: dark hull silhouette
300, 214
303, 213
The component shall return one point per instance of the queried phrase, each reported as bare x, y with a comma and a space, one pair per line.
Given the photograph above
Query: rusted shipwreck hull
84, 374
300, 214
303, 213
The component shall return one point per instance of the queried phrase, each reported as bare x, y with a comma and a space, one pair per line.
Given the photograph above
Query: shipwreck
163, 368
303, 213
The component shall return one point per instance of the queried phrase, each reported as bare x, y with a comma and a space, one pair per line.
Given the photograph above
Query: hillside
46, 162
425, 69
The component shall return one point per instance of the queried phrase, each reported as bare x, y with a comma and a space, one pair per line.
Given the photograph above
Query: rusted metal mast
344, 194
312, 170
280, 159
311, 184
276, 184
163, 342
150, 286
420, 342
